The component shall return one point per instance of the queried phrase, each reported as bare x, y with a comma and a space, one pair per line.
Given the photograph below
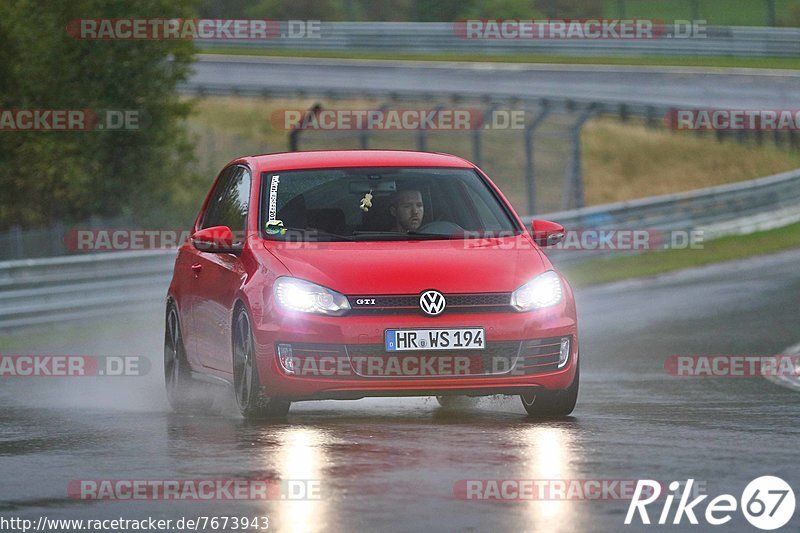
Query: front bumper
514, 338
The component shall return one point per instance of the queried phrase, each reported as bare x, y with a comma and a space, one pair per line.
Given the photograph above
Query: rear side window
230, 200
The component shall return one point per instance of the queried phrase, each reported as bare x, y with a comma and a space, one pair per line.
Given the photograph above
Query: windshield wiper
401, 236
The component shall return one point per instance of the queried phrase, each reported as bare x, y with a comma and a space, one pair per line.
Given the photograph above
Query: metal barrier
44, 291
39, 291
738, 208
441, 37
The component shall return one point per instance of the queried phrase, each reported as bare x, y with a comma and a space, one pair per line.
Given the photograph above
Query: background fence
18, 243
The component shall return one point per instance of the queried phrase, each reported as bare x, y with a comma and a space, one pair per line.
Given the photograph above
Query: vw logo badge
432, 302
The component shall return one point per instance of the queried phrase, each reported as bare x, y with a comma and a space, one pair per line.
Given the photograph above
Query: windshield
381, 204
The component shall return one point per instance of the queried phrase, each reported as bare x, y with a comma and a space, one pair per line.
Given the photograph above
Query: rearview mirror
216, 239
363, 186
546, 233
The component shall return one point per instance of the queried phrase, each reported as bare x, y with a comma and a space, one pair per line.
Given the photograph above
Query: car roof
355, 158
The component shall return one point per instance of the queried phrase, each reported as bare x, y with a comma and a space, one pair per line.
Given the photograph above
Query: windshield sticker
273, 198
275, 227
366, 202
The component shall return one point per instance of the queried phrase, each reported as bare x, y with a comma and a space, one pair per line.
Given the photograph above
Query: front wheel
252, 403
553, 404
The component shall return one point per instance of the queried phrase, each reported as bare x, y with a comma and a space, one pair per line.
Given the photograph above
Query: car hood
409, 267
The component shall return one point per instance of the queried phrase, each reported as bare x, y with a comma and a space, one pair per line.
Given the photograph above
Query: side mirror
546, 233
216, 239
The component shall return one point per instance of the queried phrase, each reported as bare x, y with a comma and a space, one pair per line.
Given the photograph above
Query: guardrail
738, 208
441, 37
44, 291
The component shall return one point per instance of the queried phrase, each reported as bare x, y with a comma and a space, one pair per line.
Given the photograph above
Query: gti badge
432, 302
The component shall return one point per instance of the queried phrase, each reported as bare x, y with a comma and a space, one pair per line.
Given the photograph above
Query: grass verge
728, 248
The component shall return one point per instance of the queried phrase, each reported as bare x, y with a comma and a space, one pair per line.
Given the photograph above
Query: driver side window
230, 202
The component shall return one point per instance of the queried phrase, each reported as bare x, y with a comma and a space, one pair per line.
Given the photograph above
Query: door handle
197, 268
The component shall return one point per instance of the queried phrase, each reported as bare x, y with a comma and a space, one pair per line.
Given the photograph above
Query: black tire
457, 402
253, 404
182, 393
553, 404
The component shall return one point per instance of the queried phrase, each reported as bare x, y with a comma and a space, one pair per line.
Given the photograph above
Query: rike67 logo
767, 502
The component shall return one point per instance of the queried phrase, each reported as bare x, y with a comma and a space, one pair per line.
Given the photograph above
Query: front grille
338, 361
409, 304
539, 356
496, 359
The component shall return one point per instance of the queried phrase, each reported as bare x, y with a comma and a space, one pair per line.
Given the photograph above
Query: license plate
402, 340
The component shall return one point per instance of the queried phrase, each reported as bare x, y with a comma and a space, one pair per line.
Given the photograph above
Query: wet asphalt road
391, 464
676, 86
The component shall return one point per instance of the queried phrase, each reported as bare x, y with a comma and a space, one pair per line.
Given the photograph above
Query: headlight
542, 291
300, 295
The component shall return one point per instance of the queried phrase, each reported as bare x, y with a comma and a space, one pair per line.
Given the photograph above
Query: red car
347, 274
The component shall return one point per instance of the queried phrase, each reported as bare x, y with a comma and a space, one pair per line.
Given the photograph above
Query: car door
218, 276
187, 269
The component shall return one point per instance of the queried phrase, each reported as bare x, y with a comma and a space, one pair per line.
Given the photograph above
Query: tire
553, 404
182, 393
253, 404
457, 402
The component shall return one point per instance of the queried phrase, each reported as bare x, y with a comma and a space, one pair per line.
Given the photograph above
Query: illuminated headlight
306, 297
542, 291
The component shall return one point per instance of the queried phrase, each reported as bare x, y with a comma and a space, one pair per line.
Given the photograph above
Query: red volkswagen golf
346, 274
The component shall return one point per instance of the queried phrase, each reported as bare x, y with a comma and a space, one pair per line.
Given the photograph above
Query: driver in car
407, 209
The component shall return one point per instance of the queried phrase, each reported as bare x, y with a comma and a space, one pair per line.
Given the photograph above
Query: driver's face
408, 210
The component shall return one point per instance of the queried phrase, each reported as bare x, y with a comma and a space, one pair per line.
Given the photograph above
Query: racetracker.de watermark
732, 366
116, 240
384, 119
72, 366
630, 240
194, 489
400, 365
733, 119
545, 489
578, 29
621, 240
121, 240
159, 29
18, 120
